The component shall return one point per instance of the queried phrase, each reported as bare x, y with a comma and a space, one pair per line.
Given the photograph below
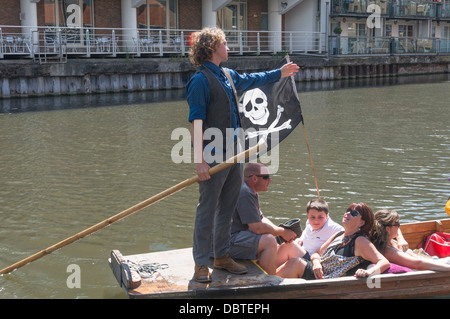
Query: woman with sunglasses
350, 246
383, 235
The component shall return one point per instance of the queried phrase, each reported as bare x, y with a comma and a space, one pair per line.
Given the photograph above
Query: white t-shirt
312, 240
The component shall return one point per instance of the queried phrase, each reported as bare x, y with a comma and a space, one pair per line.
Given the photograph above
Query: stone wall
19, 78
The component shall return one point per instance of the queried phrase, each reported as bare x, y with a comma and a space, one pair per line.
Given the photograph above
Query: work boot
227, 263
201, 274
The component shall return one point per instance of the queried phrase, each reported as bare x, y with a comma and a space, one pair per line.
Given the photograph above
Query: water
68, 165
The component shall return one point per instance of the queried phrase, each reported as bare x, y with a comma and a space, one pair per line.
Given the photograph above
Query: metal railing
52, 42
393, 9
340, 45
57, 44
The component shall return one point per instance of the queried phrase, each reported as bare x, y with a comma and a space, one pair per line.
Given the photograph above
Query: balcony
46, 44
402, 9
341, 46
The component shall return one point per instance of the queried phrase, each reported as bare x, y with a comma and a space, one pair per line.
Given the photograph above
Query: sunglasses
354, 213
396, 224
265, 177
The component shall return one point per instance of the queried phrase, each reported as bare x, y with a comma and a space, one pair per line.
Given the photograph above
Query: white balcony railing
347, 45
60, 43
92, 42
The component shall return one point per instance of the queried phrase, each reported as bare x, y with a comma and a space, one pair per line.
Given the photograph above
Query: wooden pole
235, 159
312, 164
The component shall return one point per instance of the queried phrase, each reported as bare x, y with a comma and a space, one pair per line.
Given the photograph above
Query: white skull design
259, 113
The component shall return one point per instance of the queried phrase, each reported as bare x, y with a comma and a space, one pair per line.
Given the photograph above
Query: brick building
174, 14
401, 26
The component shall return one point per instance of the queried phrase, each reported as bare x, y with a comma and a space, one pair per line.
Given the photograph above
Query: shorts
244, 245
308, 274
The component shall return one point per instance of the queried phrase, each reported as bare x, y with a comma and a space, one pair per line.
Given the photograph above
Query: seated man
252, 235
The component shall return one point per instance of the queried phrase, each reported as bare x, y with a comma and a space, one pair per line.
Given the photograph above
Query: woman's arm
403, 259
315, 257
365, 249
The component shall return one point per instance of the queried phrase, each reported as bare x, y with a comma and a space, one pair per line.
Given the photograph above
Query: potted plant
337, 30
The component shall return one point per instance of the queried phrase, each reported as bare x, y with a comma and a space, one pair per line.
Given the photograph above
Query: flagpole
310, 158
304, 130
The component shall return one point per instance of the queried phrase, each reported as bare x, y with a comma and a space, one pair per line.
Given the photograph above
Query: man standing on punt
212, 104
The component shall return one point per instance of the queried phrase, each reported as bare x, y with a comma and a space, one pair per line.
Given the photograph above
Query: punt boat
168, 274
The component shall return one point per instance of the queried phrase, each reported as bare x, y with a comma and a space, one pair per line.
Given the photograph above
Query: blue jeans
217, 201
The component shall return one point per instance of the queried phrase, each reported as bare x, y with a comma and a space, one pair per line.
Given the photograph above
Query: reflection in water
62, 172
65, 102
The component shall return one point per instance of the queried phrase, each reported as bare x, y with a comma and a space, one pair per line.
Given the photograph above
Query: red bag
437, 244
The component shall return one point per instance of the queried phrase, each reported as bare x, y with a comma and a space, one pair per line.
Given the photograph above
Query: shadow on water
64, 102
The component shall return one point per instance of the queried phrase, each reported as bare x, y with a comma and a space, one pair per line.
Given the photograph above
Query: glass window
356, 29
264, 21
158, 14
361, 29
405, 30
233, 16
351, 30
446, 33
68, 13
388, 30
49, 13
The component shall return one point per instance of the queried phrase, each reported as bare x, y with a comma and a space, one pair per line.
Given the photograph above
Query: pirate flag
270, 113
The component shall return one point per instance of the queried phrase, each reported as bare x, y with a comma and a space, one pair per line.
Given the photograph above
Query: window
264, 21
445, 39
356, 29
446, 33
158, 14
233, 16
68, 13
73, 14
389, 30
405, 30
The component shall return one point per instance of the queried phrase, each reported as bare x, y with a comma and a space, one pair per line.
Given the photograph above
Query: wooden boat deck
173, 277
174, 270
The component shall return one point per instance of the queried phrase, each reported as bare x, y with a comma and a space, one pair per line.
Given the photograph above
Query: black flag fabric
270, 113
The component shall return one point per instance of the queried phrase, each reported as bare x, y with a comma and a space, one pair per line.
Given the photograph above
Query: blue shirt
197, 89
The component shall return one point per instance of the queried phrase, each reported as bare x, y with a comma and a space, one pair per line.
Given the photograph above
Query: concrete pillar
6, 91
209, 17
129, 23
324, 22
275, 25
28, 17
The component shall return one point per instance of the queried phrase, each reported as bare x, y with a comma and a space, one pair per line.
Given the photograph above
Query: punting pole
235, 159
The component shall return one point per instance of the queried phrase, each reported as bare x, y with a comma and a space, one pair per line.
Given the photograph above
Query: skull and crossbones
259, 113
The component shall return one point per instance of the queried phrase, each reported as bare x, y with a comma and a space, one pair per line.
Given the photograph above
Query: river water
67, 164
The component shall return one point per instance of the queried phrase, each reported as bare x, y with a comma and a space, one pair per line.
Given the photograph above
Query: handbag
437, 244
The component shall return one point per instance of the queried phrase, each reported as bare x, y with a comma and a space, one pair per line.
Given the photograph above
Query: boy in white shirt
319, 226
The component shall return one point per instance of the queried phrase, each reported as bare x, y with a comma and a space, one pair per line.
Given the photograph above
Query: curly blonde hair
204, 43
